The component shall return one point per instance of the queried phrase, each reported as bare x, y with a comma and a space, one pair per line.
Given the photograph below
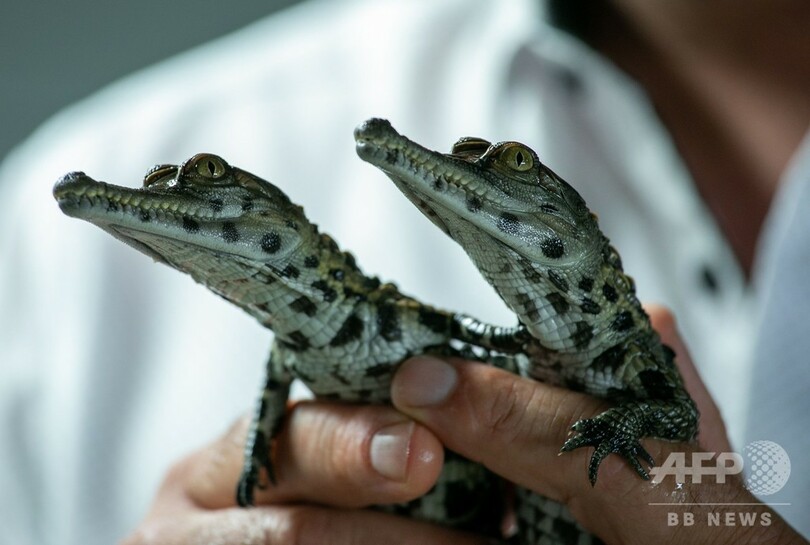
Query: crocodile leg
266, 424
471, 330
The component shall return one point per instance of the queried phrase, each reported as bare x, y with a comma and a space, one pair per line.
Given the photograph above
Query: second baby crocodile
534, 240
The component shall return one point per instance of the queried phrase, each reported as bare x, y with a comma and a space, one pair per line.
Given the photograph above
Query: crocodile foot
612, 432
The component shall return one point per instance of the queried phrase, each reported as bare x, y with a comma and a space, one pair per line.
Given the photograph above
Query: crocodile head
488, 195
203, 204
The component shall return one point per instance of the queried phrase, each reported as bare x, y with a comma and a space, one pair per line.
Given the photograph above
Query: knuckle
506, 415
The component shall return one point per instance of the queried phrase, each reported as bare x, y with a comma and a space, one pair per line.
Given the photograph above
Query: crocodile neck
318, 280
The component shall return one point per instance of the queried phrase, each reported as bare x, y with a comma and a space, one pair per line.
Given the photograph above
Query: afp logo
769, 467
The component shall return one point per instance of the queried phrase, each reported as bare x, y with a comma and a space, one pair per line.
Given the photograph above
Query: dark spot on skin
349, 293
311, 261
622, 321
583, 334
611, 359
529, 307
216, 204
435, 321
610, 293
440, 184
112, 206
329, 294
145, 217
548, 208
506, 267
304, 305
378, 370
558, 281
351, 330
337, 274
590, 306
508, 223
296, 341
247, 204
388, 322
558, 302
229, 232
290, 271
190, 225
270, 242
552, 247
529, 271
291, 224
350, 261
656, 383
371, 283
473, 204
391, 156
585, 284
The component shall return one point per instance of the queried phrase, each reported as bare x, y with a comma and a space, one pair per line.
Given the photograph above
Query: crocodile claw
608, 436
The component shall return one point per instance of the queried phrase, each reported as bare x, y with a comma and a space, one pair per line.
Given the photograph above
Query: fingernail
389, 450
424, 381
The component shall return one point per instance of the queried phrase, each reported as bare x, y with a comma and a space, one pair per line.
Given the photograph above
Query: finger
333, 454
513, 425
712, 435
293, 524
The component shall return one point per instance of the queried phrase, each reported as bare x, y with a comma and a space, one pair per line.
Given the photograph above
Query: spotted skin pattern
534, 240
340, 332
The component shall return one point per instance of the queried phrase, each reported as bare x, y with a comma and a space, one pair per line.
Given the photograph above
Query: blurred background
50, 55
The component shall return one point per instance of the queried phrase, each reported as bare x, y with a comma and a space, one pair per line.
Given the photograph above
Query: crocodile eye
517, 158
210, 166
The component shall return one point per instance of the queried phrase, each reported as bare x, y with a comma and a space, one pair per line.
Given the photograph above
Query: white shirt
113, 366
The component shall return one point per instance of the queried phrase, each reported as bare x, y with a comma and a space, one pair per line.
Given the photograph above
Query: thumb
512, 425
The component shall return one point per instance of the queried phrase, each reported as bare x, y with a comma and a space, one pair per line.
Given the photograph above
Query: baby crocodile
534, 240
339, 331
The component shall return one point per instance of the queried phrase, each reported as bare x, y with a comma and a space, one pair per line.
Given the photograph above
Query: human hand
516, 426
331, 459
327, 454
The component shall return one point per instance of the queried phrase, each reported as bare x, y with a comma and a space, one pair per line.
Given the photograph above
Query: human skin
729, 80
333, 460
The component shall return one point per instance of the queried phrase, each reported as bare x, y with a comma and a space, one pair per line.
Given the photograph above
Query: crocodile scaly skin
340, 332
534, 240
